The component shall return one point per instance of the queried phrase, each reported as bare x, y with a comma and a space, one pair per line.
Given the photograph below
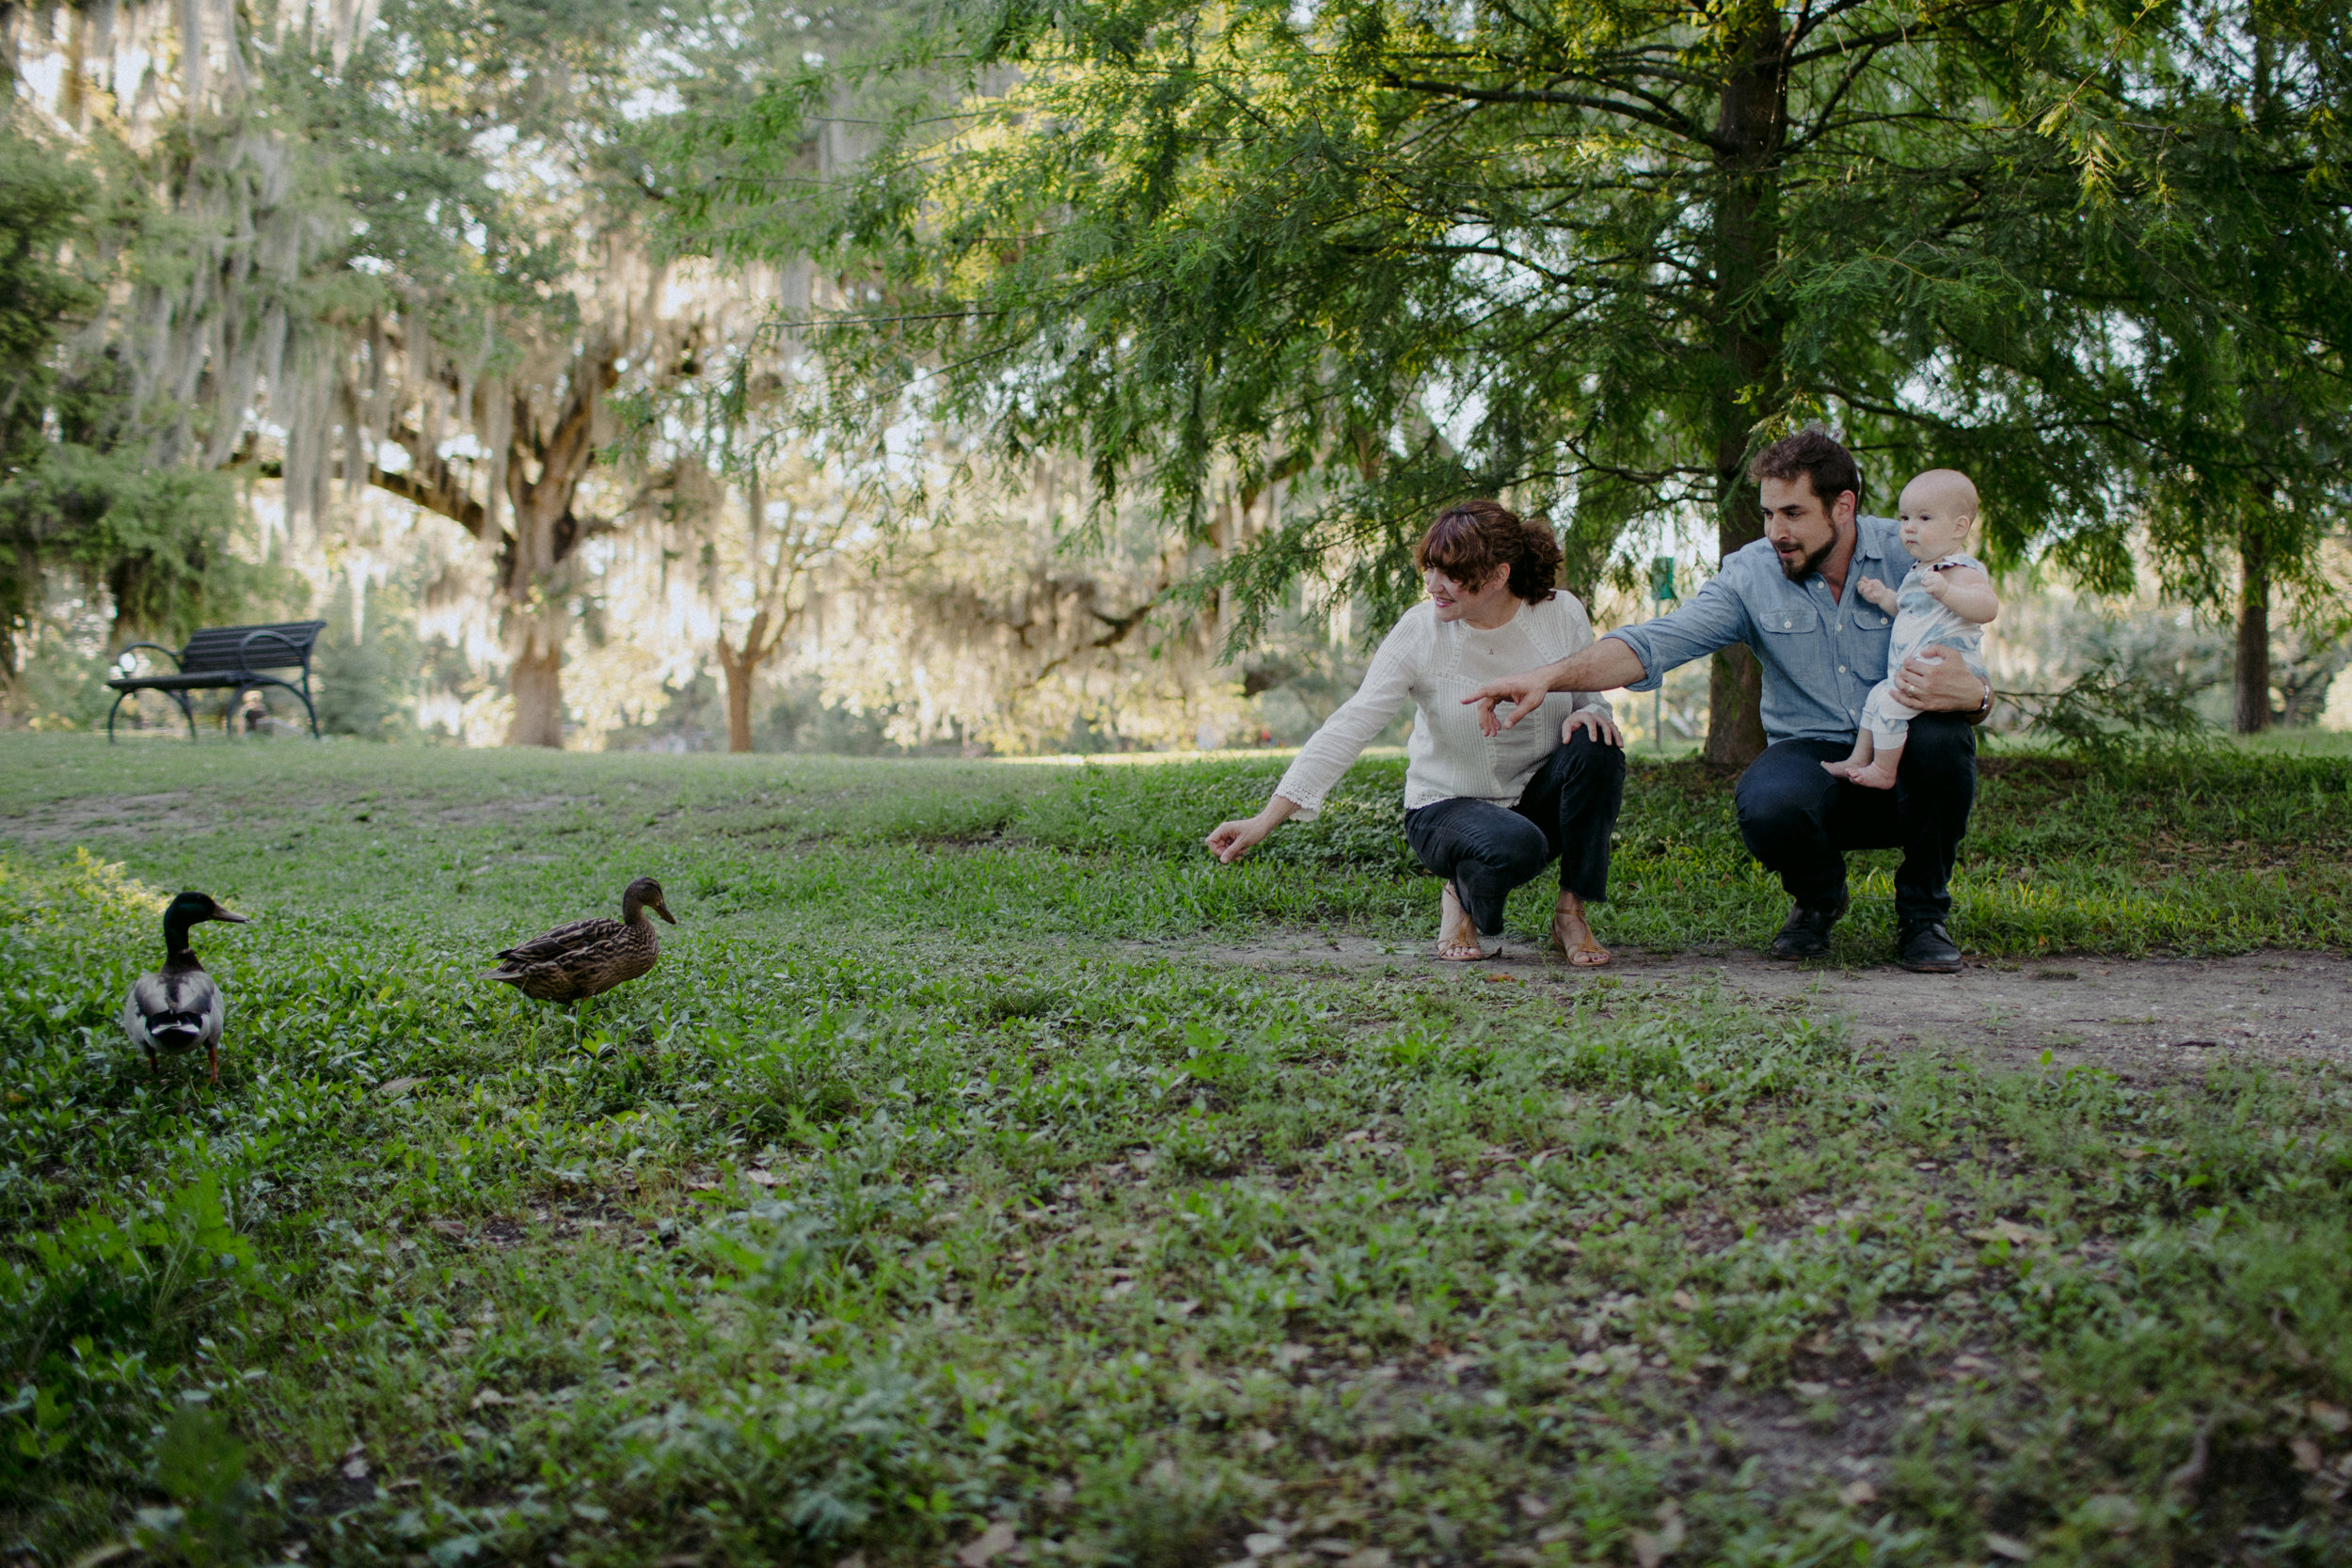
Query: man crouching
1793, 598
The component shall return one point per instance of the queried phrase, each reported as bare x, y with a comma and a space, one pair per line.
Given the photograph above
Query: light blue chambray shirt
1820, 655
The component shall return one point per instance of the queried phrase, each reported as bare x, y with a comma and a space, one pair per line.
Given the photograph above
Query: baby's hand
1878, 593
1937, 585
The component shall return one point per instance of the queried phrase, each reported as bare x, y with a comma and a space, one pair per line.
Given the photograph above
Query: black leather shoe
1806, 933
1929, 949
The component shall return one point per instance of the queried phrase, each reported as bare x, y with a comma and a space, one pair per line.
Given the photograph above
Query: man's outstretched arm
1603, 667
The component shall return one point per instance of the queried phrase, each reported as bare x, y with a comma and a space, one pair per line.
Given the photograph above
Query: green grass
935, 1181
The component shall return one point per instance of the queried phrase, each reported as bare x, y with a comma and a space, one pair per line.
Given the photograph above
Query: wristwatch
1984, 709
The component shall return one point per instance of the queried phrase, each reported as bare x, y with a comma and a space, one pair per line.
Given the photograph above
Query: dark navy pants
1800, 821
1569, 809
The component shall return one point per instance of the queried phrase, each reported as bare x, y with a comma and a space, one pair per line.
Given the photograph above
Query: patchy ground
2131, 1015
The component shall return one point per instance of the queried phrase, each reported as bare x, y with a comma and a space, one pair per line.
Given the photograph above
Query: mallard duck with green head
588, 957
178, 1007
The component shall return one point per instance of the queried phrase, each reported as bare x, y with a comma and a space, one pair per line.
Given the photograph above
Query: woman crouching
1485, 813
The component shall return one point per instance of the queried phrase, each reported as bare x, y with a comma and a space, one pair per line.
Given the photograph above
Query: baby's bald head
1944, 492
1937, 510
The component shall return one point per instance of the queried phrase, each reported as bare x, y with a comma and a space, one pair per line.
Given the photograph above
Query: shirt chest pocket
1868, 643
1796, 621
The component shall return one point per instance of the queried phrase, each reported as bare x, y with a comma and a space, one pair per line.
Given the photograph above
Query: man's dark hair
1818, 456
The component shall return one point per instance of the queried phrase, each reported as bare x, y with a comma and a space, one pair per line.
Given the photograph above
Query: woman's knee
1586, 755
1513, 849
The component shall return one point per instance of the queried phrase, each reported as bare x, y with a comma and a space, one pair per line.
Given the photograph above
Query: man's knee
1941, 745
1780, 793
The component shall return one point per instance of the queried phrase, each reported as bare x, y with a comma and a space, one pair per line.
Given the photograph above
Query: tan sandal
1592, 957
1455, 951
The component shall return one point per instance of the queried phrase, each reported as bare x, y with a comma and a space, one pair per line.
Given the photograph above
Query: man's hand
1603, 728
1878, 593
1605, 666
1936, 680
1525, 692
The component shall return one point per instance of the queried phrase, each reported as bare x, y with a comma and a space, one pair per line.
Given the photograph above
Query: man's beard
1806, 567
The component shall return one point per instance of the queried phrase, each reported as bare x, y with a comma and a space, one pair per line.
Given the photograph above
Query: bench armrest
244, 648
173, 654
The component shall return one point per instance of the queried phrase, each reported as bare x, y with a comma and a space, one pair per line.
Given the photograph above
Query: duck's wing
563, 940
175, 1011
134, 1013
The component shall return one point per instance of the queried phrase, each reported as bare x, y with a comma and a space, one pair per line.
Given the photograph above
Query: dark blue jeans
1800, 821
1568, 809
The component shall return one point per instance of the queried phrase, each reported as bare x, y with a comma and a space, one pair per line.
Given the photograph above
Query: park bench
224, 658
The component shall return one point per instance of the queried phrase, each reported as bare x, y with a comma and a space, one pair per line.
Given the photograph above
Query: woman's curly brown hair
1470, 539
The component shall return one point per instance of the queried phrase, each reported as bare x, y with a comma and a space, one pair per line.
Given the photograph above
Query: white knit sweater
1438, 663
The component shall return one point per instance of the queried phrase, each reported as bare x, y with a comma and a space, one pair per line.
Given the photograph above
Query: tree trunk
535, 681
537, 619
742, 668
537, 616
738, 709
2253, 634
1750, 129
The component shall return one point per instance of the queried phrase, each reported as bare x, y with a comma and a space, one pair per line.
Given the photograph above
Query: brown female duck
588, 956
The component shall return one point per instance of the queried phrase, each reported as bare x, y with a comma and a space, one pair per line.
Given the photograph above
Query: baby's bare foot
1457, 938
1572, 936
1872, 777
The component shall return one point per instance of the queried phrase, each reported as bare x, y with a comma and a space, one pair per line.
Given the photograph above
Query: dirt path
2132, 1015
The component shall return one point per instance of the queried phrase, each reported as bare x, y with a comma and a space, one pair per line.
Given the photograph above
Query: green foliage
365, 684
952, 1169
2241, 303
2113, 717
98, 1314
1591, 255
78, 497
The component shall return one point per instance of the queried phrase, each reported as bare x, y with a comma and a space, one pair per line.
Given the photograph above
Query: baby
1945, 601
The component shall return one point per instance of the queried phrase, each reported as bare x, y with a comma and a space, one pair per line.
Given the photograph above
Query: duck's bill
219, 914
663, 911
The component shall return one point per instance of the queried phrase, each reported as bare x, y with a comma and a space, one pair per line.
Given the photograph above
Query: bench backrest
282, 645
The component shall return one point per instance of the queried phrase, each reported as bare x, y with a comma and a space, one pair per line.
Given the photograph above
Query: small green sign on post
1661, 592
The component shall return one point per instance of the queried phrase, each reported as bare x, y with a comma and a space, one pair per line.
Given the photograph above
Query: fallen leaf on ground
2007, 1546
1650, 1550
990, 1543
